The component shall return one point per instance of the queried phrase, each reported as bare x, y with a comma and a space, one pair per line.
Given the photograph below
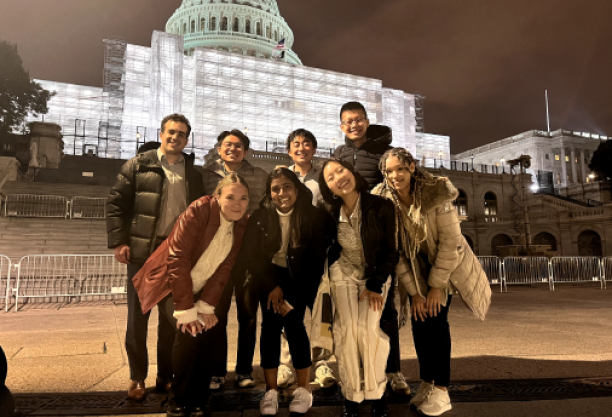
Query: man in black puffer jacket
151, 191
364, 145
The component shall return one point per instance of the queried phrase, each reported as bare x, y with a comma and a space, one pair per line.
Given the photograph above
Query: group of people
335, 240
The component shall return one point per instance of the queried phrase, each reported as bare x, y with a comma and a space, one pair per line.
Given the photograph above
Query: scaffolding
114, 89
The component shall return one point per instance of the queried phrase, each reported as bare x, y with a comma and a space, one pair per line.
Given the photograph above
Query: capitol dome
247, 27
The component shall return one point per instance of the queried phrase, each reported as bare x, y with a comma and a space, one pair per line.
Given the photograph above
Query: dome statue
246, 27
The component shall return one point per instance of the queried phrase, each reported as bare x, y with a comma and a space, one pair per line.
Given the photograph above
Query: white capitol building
216, 64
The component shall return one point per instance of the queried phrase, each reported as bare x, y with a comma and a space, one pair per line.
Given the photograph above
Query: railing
526, 270
606, 268
565, 269
29, 205
5, 280
493, 267
87, 208
55, 277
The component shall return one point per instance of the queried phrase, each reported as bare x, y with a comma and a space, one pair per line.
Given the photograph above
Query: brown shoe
163, 384
136, 391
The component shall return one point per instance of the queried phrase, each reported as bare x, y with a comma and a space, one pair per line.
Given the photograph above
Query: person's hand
275, 298
194, 327
122, 254
285, 309
375, 299
418, 308
209, 321
434, 299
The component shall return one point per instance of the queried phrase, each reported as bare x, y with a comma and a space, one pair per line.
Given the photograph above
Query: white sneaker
284, 377
245, 381
302, 401
398, 384
421, 394
268, 406
436, 403
324, 377
216, 382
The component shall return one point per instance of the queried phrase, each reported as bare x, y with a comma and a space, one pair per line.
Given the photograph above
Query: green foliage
19, 96
601, 163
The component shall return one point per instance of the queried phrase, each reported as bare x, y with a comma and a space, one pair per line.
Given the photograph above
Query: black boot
350, 408
175, 411
379, 408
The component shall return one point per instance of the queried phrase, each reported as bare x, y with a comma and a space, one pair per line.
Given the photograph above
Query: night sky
483, 65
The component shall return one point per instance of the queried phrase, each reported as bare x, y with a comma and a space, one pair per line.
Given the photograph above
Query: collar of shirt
225, 224
280, 213
355, 215
225, 171
312, 174
162, 158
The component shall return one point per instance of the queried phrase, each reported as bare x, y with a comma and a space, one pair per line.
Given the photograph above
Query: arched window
213, 23
184, 28
545, 238
275, 36
499, 240
589, 244
224, 23
490, 207
202, 24
258, 28
236, 24
192, 26
268, 32
247, 26
461, 203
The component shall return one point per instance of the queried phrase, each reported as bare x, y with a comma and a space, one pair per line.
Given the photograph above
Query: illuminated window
576, 159
224, 24
490, 207
461, 203
213, 23
566, 158
558, 178
247, 26
192, 26
557, 158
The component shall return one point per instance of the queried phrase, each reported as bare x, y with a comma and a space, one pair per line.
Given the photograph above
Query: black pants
272, 326
247, 303
136, 336
190, 362
432, 342
390, 325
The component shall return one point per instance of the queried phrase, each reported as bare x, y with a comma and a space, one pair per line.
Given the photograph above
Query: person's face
174, 138
233, 201
301, 150
398, 175
232, 149
354, 124
283, 194
340, 180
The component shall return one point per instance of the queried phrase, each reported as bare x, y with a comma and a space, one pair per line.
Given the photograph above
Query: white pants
361, 347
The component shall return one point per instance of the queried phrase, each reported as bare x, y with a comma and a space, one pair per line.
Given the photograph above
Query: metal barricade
492, 266
87, 208
5, 280
30, 205
565, 269
57, 277
606, 269
526, 270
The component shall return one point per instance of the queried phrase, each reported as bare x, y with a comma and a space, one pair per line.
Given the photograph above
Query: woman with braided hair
435, 261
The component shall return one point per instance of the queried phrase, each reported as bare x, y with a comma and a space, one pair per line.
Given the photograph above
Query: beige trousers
361, 347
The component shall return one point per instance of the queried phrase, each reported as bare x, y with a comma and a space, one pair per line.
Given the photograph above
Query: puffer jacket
365, 159
454, 265
378, 238
168, 269
133, 208
254, 176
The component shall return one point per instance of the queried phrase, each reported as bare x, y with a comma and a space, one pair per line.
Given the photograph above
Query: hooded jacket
365, 159
133, 207
254, 176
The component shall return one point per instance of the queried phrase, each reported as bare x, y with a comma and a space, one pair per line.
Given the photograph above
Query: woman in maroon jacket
185, 277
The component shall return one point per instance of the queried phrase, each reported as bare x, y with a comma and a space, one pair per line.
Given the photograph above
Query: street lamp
440, 154
503, 162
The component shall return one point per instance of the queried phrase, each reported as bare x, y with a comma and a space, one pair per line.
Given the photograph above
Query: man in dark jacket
364, 145
151, 191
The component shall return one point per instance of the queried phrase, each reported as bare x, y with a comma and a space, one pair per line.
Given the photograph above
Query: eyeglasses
348, 123
230, 145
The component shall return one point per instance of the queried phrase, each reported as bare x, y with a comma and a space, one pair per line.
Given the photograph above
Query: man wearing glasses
364, 144
233, 147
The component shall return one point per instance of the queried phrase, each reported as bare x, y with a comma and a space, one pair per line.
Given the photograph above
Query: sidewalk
530, 334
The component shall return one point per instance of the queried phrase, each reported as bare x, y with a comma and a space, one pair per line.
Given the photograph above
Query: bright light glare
534, 187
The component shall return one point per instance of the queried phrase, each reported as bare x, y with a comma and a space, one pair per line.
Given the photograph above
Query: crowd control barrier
87, 208
565, 269
526, 270
30, 205
493, 267
5, 280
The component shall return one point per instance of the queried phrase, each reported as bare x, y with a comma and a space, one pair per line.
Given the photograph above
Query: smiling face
174, 138
232, 150
283, 194
354, 124
339, 179
398, 175
233, 201
301, 150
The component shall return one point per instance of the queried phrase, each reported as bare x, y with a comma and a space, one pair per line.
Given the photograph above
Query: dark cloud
483, 65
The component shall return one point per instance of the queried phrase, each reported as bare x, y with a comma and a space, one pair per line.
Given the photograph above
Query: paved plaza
531, 334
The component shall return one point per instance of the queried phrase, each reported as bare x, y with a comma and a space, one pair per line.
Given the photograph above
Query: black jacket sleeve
120, 206
388, 254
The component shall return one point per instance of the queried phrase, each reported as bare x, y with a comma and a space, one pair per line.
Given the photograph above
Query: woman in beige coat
435, 262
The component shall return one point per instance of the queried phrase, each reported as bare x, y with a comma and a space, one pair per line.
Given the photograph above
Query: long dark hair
298, 217
330, 201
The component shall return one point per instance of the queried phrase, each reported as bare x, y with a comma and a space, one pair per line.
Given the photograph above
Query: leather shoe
175, 411
163, 384
136, 391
